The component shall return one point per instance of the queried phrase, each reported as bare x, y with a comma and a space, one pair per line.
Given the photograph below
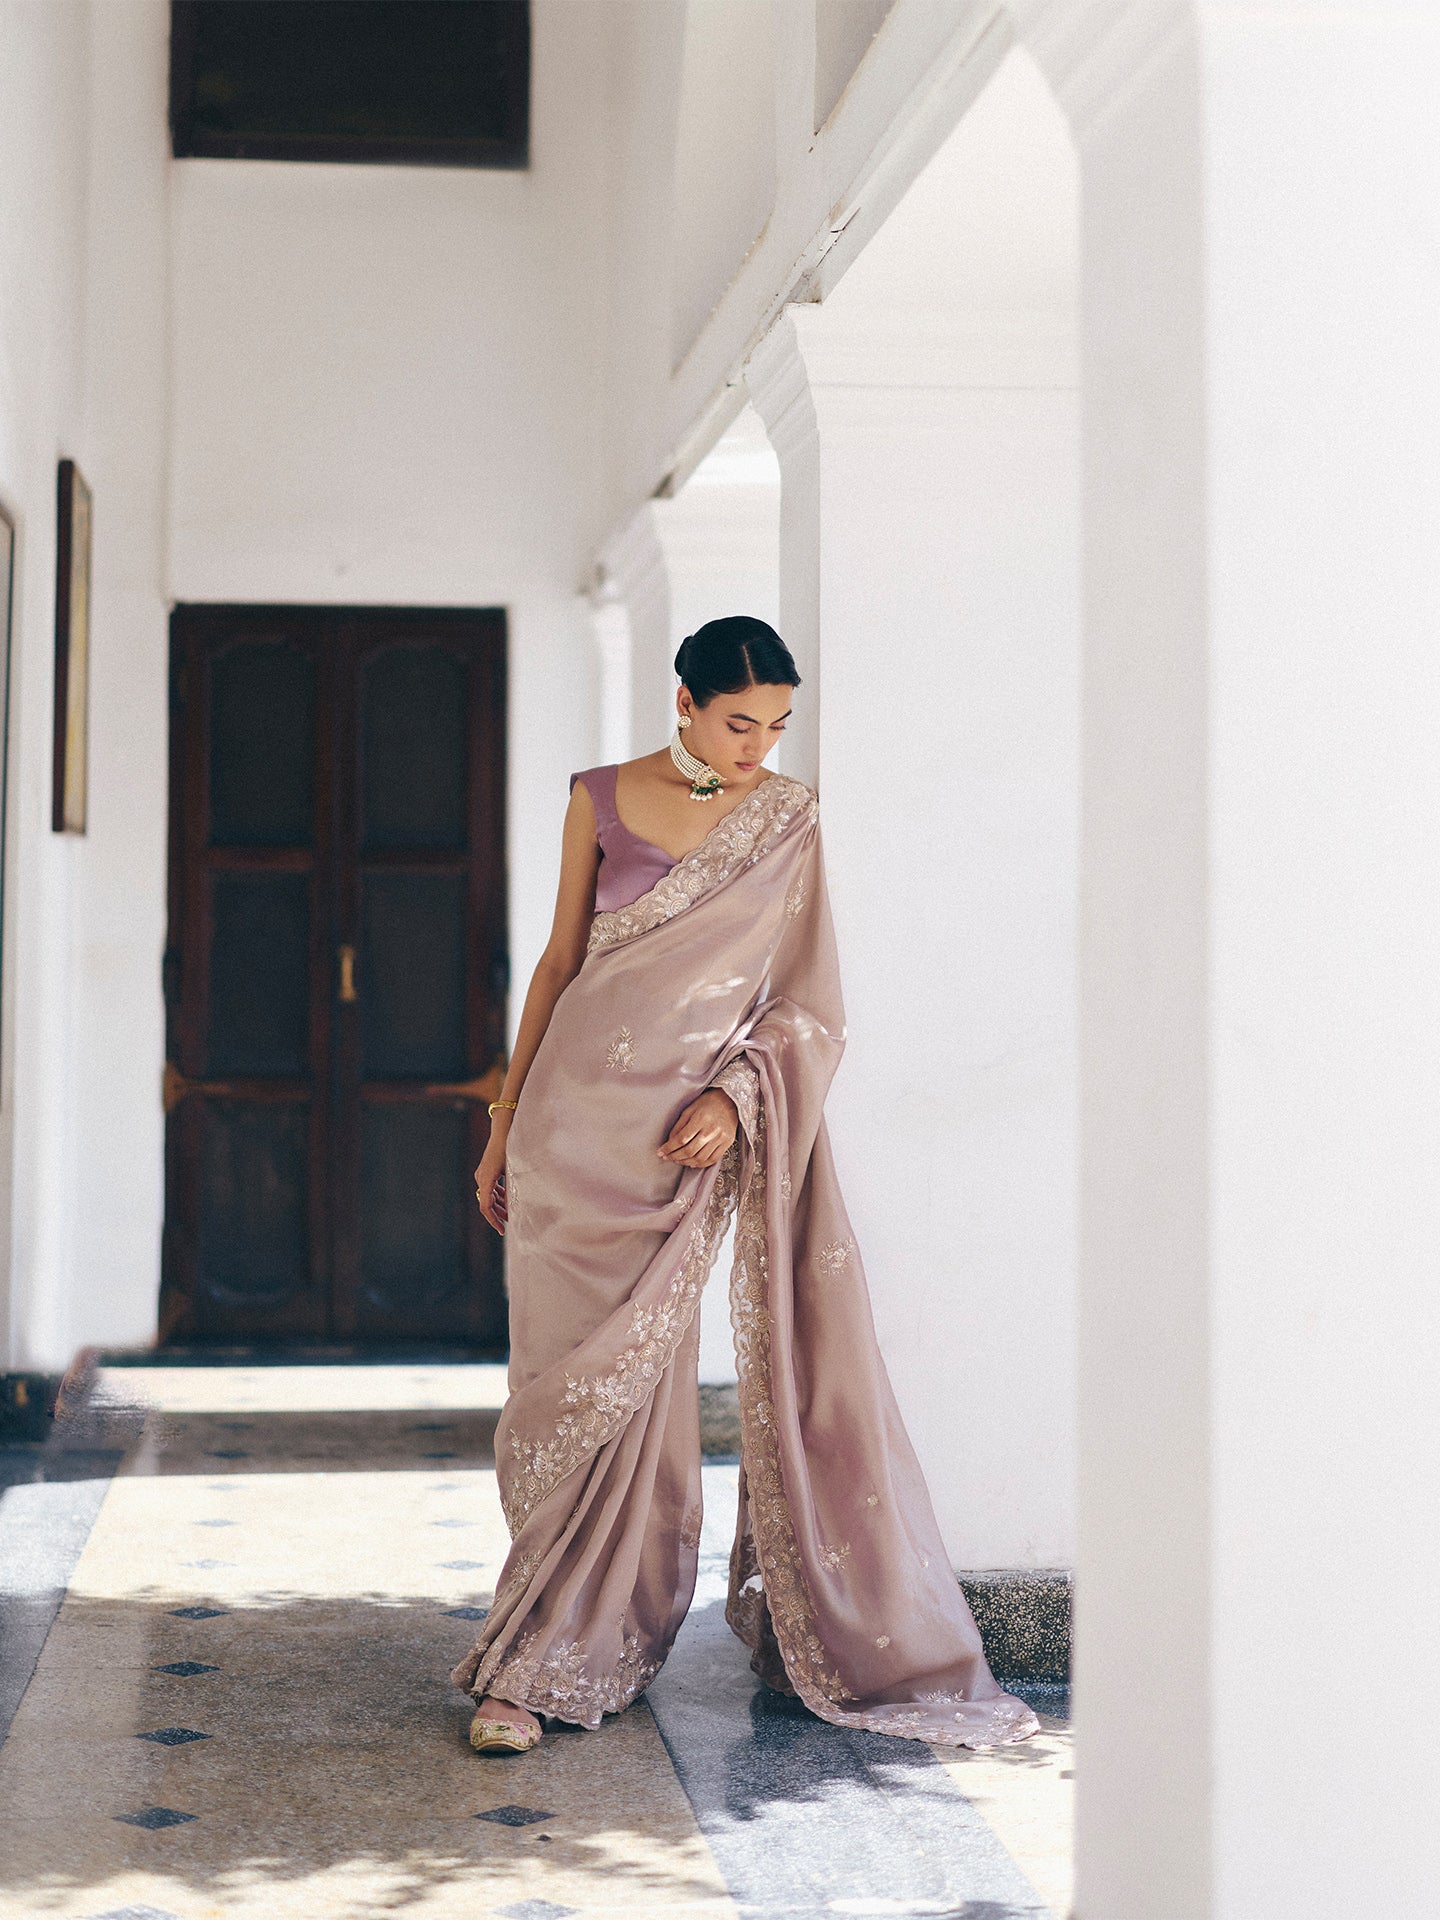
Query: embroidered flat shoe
501, 1736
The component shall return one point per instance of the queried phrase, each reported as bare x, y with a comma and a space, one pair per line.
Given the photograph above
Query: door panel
262, 746
335, 974
255, 1205
414, 1210
259, 975
412, 974
413, 757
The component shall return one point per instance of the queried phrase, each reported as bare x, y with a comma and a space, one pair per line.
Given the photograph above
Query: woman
674, 1053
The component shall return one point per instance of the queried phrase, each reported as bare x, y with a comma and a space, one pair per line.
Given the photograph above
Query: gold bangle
496, 1105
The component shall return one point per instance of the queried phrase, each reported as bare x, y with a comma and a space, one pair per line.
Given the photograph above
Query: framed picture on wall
72, 650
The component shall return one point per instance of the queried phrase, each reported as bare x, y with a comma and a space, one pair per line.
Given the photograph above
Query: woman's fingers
492, 1203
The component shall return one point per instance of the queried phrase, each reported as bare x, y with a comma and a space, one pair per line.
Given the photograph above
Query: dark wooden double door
335, 974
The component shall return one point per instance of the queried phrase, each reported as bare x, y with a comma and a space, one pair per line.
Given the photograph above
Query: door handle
347, 974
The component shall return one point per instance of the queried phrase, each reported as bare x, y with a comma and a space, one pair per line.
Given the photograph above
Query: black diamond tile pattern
462, 1566
154, 1817
174, 1736
195, 1613
512, 1816
535, 1910
185, 1668
466, 1613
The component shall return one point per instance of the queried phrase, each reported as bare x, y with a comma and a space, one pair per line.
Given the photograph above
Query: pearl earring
683, 721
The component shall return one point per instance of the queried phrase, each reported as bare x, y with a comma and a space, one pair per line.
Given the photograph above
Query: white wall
937, 537
337, 384
721, 535
724, 178
82, 331
384, 392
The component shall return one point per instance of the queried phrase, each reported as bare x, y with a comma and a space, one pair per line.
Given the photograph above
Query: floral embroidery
742, 1083
795, 899
835, 1557
770, 1604
596, 1408
837, 1255
785, 1185
622, 1051
745, 833
558, 1682
521, 1572
785, 1601
690, 1528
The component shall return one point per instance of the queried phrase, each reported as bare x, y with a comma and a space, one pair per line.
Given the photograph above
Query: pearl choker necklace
705, 782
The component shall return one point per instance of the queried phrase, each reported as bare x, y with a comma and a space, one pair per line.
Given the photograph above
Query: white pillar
780, 393
632, 576
1258, 1675
926, 423
721, 533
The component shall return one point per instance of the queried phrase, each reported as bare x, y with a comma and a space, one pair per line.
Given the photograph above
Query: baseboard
27, 1404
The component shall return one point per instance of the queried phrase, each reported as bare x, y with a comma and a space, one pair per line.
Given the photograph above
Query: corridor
229, 1600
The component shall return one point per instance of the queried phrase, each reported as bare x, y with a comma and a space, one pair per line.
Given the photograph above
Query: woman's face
733, 732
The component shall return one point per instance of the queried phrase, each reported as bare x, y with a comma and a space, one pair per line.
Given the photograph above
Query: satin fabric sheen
629, 866
722, 972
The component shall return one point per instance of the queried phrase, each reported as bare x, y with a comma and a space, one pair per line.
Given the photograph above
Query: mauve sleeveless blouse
629, 866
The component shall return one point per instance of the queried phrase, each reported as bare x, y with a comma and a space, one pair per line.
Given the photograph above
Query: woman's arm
558, 965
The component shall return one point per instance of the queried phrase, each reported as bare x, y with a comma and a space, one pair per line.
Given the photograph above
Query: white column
721, 533
928, 442
632, 576
610, 624
780, 393
1258, 1671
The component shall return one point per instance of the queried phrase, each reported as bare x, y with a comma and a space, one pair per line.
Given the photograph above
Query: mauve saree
722, 974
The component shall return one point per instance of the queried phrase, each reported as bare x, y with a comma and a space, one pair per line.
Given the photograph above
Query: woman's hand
490, 1176
703, 1131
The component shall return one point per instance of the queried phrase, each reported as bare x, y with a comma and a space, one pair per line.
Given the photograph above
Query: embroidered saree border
598, 1405
780, 1617
740, 839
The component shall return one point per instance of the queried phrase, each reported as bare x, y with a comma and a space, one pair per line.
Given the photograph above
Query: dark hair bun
725, 656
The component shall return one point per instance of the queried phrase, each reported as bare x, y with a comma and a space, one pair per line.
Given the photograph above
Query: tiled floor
239, 1706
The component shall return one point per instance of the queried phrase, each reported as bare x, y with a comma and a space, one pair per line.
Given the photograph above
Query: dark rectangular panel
414, 1188
262, 746
412, 976
440, 81
254, 1237
413, 749
259, 974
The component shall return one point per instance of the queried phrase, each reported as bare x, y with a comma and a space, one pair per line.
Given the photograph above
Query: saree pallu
723, 974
